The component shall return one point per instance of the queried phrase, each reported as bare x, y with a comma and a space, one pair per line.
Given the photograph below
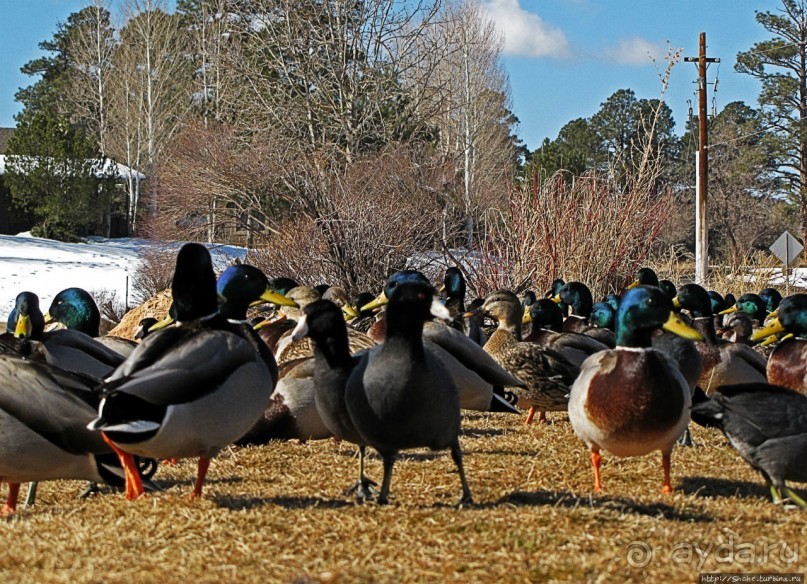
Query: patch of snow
46, 267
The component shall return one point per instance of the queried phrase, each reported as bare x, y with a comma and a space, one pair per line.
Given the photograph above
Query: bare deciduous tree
91, 47
370, 221
330, 74
471, 93
152, 89
216, 184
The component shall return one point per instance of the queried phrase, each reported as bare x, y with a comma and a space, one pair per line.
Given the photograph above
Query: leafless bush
216, 185
154, 273
360, 226
580, 230
111, 307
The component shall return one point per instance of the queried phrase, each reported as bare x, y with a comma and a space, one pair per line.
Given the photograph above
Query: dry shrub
745, 272
362, 225
112, 308
155, 272
218, 185
581, 230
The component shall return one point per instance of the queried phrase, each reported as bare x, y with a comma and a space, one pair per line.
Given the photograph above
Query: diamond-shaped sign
786, 248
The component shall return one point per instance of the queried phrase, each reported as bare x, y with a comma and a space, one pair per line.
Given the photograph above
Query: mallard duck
716, 301
366, 318
554, 290
333, 363
787, 365
479, 378
602, 315
26, 317
76, 310
767, 426
669, 288
282, 285
71, 350
547, 373
724, 363
718, 304
190, 390
752, 305
44, 412
612, 300
400, 396
528, 298
578, 296
730, 300
737, 328
771, 297
454, 288
644, 277
633, 400
547, 326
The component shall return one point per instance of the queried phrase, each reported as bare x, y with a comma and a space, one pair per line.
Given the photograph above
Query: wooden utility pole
702, 169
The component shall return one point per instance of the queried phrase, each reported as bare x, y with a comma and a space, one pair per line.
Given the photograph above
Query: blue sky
564, 57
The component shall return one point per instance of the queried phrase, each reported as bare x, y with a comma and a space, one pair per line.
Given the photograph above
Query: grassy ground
277, 513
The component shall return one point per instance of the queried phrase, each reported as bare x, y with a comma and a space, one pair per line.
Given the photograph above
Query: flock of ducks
393, 372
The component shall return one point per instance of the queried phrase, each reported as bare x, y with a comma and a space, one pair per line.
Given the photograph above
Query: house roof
106, 168
5, 134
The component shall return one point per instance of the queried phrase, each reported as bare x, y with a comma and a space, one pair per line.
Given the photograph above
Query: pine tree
51, 172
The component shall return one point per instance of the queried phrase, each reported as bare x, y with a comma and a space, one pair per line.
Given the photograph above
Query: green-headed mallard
190, 390
787, 365
454, 289
669, 288
644, 277
578, 296
724, 363
68, 349
752, 305
633, 400
547, 326
771, 297
44, 412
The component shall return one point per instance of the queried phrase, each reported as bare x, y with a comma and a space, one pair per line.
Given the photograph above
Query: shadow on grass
478, 432
713, 487
240, 503
619, 504
165, 484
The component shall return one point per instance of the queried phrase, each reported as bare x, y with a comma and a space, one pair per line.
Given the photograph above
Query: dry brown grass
277, 513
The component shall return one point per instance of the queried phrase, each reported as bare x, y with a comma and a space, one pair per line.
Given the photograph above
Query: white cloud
635, 51
525, 34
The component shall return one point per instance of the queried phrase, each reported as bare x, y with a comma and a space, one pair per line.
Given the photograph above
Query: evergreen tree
51, 172
780, 64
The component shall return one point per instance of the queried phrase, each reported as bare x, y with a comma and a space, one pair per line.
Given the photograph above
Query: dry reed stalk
580, 230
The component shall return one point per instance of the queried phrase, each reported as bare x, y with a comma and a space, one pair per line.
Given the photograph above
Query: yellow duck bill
677, 326
774, 327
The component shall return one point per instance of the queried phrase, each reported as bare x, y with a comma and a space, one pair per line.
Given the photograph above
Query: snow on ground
46, 267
